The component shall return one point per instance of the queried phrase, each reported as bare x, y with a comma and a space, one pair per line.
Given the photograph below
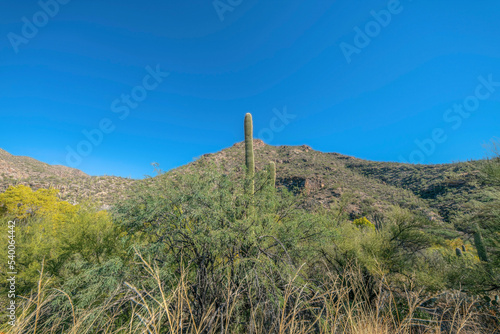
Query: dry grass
340, 306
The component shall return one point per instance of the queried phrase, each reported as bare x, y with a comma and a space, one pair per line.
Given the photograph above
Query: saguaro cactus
478, 241
249, 159
272, 173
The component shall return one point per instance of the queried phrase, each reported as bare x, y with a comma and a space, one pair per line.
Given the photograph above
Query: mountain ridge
438, 191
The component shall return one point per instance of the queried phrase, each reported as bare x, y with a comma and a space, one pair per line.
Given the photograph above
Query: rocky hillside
447, 187
73, 184
327, 178
436, 190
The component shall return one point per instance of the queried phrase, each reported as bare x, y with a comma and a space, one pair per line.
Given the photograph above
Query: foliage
268, 260
55, 232
486, 216
193, 250
363, 223
203, 225
335, 307
21, 202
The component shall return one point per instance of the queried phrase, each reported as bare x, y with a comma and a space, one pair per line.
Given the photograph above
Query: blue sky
303, 69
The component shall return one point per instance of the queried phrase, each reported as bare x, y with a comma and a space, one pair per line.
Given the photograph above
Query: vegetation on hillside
73, 185
438, 191
188, 251
249, 247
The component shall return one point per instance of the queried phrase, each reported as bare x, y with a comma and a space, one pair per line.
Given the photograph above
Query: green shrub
363, 223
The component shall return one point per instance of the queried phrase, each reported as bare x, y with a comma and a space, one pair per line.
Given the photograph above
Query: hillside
361, 250
371, 187
73, 184
435, 190
446, 187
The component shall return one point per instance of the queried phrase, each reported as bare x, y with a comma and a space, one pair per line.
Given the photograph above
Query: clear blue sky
247, 56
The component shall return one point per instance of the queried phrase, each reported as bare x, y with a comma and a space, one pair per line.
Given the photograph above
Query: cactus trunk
272, 173
478, 241
249, 159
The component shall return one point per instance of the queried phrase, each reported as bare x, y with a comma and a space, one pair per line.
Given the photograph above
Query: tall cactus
249, 159
478, 241
272, 173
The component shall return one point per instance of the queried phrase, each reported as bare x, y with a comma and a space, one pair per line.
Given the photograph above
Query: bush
55, 232
208, 227
198, 251
363, 223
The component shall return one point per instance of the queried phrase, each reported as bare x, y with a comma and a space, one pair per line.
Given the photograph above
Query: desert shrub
363, 223
56, 233
22, 202
486, 228
480, 222
208, 227
199, 252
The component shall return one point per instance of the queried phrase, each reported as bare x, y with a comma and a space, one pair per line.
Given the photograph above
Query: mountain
436, 190
372, 187
73, 184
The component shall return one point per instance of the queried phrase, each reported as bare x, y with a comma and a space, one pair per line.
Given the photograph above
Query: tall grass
340, 304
